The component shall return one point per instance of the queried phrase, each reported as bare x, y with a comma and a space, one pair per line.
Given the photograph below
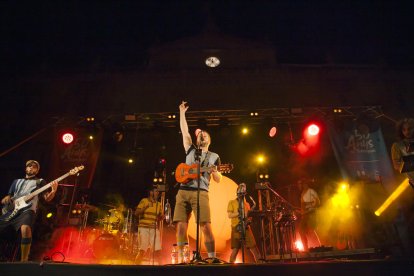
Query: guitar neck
205, 169
44, 188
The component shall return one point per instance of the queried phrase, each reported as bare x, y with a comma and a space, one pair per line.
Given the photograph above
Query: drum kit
111, 236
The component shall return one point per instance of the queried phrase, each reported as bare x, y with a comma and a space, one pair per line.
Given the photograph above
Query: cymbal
86, 207
102, 221
107, 205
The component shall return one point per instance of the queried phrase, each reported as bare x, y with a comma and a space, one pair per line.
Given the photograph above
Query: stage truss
214, 118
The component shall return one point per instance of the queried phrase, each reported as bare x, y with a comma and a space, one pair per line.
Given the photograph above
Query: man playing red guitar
24, 220
186, 199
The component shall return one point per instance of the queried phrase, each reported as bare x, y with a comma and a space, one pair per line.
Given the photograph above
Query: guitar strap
206, 158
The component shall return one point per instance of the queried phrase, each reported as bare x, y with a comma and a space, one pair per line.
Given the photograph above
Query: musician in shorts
149, 212
186, 198
25, 218
237, 239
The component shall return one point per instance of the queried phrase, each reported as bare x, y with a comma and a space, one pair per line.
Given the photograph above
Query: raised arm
184, 126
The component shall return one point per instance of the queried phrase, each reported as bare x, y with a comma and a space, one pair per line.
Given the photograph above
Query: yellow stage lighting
130, 161
344, 187
49, 215
341, 198
260, 159
245, 130
397, 192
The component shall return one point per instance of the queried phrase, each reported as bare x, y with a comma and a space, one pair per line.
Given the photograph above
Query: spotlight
313, 130
90, 137
130, 160
262, 175
272, 132
49, 215
245, 130
172, 116
260, 159
67, 138
344, 187
395, 194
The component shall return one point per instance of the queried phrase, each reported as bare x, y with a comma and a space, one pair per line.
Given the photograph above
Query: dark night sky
71, 35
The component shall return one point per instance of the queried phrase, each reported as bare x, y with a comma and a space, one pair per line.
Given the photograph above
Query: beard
30, 174
203, 143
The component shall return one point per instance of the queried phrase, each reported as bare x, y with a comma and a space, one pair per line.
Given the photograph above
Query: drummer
115, 220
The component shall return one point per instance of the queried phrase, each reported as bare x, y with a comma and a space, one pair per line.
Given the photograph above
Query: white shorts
146, 239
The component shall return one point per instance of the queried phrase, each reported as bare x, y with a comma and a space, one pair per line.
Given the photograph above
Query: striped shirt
148, 218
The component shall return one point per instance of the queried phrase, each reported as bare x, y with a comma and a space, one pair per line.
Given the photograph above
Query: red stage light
272, 132
67, 138
313, 130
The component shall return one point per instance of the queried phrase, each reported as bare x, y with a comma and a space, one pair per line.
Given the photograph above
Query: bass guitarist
186, 199
24, 220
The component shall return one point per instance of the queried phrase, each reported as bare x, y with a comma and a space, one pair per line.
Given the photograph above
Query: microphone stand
197, 156
155, 231
241, 227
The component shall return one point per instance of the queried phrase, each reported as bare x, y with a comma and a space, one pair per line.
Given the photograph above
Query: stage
348, 267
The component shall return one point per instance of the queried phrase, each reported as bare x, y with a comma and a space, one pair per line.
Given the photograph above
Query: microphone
199, 132
241, 189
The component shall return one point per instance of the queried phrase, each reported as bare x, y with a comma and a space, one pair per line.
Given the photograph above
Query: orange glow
299, 246
220, 194
260, 158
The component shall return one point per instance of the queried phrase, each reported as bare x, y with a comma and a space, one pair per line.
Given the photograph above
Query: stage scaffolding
232, 117
276, 222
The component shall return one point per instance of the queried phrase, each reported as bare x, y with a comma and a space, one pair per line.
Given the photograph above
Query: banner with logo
84, 150
361, 151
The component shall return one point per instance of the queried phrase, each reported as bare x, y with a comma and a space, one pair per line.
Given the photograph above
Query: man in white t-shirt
309, 202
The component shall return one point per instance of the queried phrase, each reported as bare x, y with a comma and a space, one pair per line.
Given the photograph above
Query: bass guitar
184, 172
22, 203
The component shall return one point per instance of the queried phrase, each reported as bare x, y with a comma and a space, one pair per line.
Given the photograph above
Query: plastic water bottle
174, 254
167, 212
186, 253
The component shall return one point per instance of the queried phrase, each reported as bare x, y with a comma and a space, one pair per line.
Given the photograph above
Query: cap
29, 162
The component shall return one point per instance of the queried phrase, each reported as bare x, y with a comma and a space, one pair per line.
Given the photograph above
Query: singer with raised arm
186, 198
24, 219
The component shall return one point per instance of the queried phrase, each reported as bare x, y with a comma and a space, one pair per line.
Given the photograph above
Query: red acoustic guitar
184, 172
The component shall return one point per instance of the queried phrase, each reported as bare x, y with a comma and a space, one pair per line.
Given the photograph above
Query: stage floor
354, 267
